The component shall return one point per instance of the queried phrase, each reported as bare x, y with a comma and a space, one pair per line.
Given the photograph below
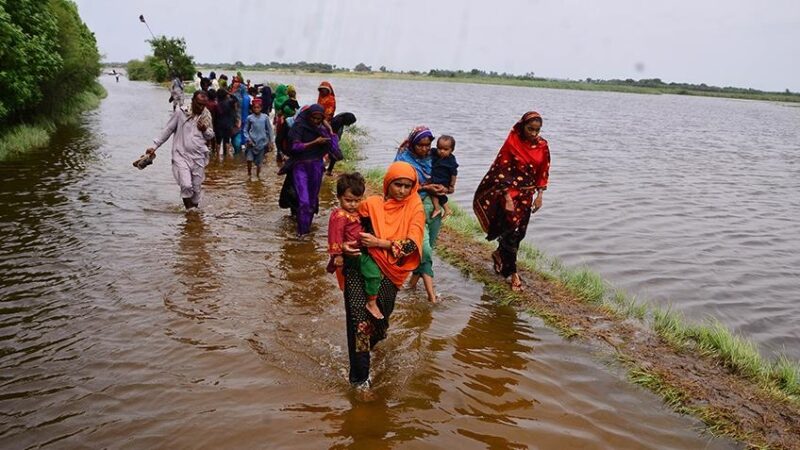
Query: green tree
28, 33
77, 47
47, 57
170, 54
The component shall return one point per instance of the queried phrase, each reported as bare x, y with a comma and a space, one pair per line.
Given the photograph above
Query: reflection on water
125, 321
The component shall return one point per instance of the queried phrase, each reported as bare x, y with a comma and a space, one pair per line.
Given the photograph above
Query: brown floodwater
125, 322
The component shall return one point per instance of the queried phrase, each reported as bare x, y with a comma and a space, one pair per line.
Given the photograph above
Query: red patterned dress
520, 169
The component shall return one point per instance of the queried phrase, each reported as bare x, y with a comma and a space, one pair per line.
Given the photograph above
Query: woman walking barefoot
504, 200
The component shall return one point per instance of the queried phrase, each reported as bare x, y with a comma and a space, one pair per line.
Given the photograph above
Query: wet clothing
400, 222
338, 123
189, 150
244, 111
176, 92
284, 105
442, 171
423, 167
520, 169
328, 102
258, 130
266, 98
346, 227
304, 169
225, 120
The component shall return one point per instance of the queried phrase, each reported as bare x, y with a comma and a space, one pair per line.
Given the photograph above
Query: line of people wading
376, 244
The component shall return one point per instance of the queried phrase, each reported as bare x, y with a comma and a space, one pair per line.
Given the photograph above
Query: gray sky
740, 43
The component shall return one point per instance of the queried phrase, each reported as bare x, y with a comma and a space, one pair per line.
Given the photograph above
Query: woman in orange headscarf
504, 200
327, 99
393, 229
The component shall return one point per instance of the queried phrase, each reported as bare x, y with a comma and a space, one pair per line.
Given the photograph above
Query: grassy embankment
22, 137
777, 381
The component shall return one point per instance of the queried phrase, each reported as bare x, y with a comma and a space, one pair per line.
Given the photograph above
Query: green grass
21, 138
712, 338
740, 355
716, 422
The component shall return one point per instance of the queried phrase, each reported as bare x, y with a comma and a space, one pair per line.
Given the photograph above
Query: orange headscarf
329, 101
396, 220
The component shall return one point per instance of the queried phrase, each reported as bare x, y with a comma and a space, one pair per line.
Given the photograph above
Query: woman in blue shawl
310, 139
416, 150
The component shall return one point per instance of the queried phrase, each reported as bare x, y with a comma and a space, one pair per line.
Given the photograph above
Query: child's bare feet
436, 212
372, 307
447, 212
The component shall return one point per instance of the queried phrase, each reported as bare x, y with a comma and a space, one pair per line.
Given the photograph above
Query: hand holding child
351, 248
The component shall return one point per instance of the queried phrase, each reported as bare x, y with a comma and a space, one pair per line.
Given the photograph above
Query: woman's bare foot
516, 283
373, 309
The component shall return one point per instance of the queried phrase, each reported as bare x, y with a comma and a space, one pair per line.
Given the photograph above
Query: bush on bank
49, 64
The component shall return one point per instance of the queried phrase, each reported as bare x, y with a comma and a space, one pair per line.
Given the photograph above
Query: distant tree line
651, 83
48, 57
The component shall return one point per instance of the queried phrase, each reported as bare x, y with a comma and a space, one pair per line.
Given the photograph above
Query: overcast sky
740, 43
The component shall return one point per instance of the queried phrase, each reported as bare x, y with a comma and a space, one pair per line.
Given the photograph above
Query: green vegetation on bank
19, 138
155, 67
780, 376
710, 338
49, 64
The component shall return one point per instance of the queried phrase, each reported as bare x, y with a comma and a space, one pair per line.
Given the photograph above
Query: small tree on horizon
361, 67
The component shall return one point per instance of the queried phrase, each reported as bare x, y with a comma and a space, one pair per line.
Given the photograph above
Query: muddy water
687, 201
126, 323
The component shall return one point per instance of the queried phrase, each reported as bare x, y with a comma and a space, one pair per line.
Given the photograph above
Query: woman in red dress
505, 199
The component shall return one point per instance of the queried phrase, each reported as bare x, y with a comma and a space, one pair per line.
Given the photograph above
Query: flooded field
126, 323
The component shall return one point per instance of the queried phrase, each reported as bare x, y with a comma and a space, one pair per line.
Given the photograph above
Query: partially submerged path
688, 381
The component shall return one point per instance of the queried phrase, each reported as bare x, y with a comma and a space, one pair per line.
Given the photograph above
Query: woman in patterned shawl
504, 200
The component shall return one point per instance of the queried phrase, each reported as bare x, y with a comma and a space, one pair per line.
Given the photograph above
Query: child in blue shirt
257, 134
443, 171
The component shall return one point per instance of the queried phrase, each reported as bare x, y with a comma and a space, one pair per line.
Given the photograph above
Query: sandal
516, 283
498, 262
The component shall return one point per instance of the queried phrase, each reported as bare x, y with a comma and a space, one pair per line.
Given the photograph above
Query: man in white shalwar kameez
191, 129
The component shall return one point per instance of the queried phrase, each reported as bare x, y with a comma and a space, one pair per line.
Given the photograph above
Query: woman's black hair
353, 182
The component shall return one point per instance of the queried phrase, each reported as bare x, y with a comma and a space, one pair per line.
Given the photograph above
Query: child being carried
443, 171
344, 227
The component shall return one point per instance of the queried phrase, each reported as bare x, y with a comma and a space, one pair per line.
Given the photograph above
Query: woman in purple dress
310, 139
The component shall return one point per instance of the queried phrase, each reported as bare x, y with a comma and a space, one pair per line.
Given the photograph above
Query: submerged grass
712, 338
20, 138
781, 376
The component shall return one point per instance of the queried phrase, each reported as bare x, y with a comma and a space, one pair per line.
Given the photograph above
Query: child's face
400, 188
444, 147
349, 202
256, 108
